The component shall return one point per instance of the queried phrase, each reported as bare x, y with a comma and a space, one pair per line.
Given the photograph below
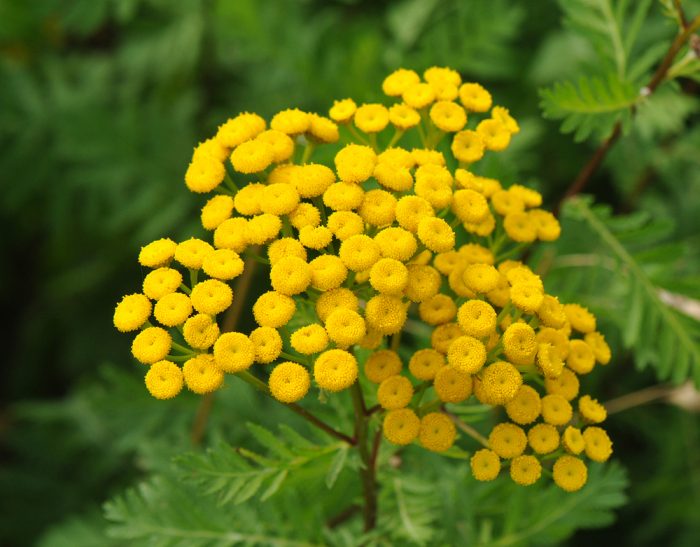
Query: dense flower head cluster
399, 230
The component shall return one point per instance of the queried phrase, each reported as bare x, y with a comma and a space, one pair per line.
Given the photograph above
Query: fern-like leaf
592, 106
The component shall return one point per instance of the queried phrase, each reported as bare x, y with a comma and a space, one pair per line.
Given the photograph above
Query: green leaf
591, 107
336, 466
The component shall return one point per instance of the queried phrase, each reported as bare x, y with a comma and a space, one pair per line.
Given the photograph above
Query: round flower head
398, 81
191, 253
410, 210
388, 276
202, 375
396, 243
437, 310
315, 238
355, 163
323, 129
231, 234
527, 297
234, 352
344, 224
345, 327
438, 74
600, 347
248, 200
310, 339
304, 215
456, 282
262, 228
556, 410
500, 382
335, 370
477, 318
448, 116
570, 473
525, 470
566, 385
371, 118
520, 344
467, 146
385, 314
474, 253
581, 358
525, 407
164, 380
173, 309
291, 121
403, 117
397, 157
286, 246
401, 426
543, 438
327, 272
279, 199
444, 335
359, 252
343, 196
378, 208
519, 227
216, 210
268, 344
436, 234
211, 296
289, 382
160, 282
151, 345
395, 392
252, 156
158, 253
572, 440
591, 410
425, 156
549, 361
437, 432
204, 174
452, 385
466, 354
290, 275
237, 130
507, 203
502, 115
548, 227
282, 146
447, 262
481, 278
418, 95
381, 365
598, 444
333, 299
495, 135
474, 97
132, 312
580, 318
485, 465
223, 264
342, 111
312, 179
507, 440
273, 309
423, 282
426, 363
200, 331
556, 338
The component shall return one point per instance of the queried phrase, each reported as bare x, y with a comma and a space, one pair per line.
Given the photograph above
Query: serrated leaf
336, 466
266, 438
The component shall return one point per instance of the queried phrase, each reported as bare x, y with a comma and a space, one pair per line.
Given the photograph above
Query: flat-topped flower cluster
398, 235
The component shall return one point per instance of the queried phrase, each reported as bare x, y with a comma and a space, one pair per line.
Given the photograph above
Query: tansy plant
394, 243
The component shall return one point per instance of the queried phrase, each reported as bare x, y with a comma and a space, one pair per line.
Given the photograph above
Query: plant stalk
367, 471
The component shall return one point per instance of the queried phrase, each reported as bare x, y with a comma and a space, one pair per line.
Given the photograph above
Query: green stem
367, 470
469, 430
396, 138
228, 182
308, 150
185, 288
183, 349
193, 277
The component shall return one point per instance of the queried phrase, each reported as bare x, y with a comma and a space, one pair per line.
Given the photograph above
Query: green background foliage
101, 103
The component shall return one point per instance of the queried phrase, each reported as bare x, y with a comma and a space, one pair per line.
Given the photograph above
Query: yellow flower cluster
384, 233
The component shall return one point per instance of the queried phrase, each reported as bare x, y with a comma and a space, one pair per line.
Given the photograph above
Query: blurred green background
101, 103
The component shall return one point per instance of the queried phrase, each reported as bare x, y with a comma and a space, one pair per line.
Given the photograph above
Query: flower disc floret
268, 344
520, 344
570, 473
481, 278
310, 339
581, 358
151, 345
467, 146
388, 276
132, 312
290, 275
556, 410
474, 97
396, 243
200, 331
525, 470
173, 309
223, 264
591, 410
191, 253
437, 310
385, 314
211, 296
327, 272
234, 352
525, 407
436, 234
598, 444
485, 465
252, 156
371, 118
378, 208
452, 385
355, 163
202, 375
543, 438
477, 318
232, 234
160, 282
395, 392
345, 327
335, 370
359, 252
291, 121
398, 81
507, 440
343, 196
466, 354
500, 382
273, 309
381, 365
157, 253
448, 116
164, 380
401, 426
204, 174
289, 382
437, 432
342, 111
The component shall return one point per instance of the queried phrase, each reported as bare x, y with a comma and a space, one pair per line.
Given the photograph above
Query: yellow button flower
312, 179
401, 426
448, 116
525, 407
474, 97
158, 253
160, 282
581, 358
164, 380
151, 345
437, 310
345, 327
283, 247
556, 410
566, 385
202, 375
398, 81
291, 121
200, 331
572, 440
327, 272
132, 312
591, 410
268, 344
403, 117
371, 118
211, 296
262, 228
323, 129
333, 299
342, 111
216, 210
410, 210
355, 163
507, 440
525, 470
237, 130
378, 208
289, 382
570, 473
388, 276
223, 264
485, 465
443, 336
279, 199
359, 253
520, 344
252, 156
309, 339
477, 318
426, 363
191, 253
282, 146
343, 196
173, 309
335, 370
204, 174
500, 382
385, 314
234, 352
437, 432
418, 95
248, 200
580, 318
273, 309
598, 444
543, 438
395, 392
452, 385
382, 364
467, 146
495, 135
466, 354
396, 243
231, 234
290, 275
